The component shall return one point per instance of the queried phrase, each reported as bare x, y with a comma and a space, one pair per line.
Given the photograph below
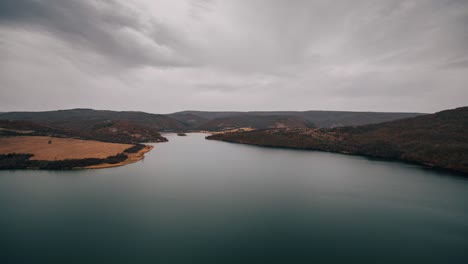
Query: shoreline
371, 157
50, 153
132, 158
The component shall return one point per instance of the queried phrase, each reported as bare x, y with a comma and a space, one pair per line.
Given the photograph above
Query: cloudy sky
163, 56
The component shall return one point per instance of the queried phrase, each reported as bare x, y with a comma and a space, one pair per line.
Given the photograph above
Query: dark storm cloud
105, 27
167, 55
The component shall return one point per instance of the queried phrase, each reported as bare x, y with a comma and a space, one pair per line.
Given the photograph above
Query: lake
197, 201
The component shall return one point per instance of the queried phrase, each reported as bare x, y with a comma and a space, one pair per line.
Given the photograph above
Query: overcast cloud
163, 56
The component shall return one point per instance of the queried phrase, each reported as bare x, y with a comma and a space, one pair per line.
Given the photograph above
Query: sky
162, 56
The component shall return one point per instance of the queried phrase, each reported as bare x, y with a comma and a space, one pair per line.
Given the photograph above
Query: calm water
198, 201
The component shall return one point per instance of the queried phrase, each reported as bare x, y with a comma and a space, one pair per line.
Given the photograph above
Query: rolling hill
437, 140
190, 121
107, 131
88, 119
256, 122
318, 118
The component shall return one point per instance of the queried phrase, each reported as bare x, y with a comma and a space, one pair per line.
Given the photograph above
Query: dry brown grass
60, 149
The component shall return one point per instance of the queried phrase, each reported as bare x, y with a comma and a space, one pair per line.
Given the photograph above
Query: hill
88, 119
107, 131
256, 122
189, 121
210, 115
437, 140
318, 118
20, 127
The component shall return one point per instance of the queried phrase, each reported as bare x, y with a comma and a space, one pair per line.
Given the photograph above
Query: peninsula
30, 145
41, 152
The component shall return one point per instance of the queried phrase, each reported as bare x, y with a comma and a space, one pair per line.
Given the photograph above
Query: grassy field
59, 148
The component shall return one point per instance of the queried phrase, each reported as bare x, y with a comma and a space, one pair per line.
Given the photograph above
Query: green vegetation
135, 148
22, 161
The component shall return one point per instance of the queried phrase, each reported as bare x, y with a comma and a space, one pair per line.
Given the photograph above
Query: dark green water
198, 201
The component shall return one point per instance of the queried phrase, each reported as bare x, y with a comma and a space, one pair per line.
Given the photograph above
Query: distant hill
345, 118
437, 140
210, 115
121, 132
189, 121
108, 131
318, 118
256, 122
20, 127
88, 119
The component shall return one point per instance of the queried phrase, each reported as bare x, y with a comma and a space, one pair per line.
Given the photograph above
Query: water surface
197, 201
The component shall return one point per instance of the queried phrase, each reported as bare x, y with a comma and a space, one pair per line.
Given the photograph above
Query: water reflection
193, 200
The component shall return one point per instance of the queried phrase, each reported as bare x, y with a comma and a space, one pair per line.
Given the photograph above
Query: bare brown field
60, 148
